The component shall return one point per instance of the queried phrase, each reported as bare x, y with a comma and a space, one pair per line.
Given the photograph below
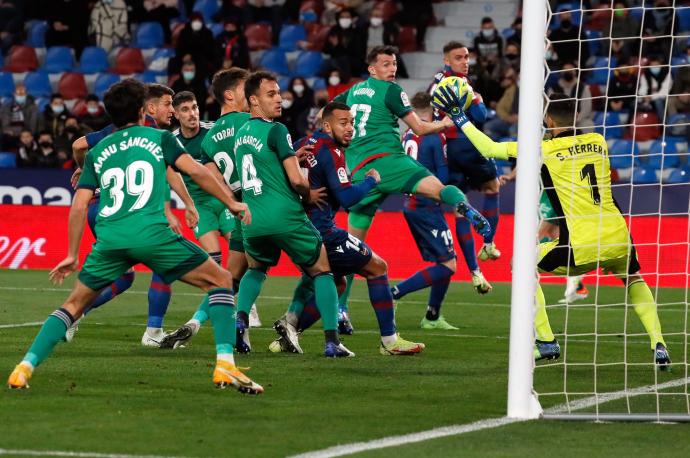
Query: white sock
476, 272
292, 318
389, 340
227, 357
488, 245
194, 324
154, 332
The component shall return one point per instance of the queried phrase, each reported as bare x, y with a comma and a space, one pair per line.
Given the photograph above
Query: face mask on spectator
566, 23
511, 56
20, 99
345, 22
655, 71
57, 109
568, 76
188, 75
334, 80
376, 21
46, 144
92, 110
488, 33
298, 88
286, 103
619, 13
197, 25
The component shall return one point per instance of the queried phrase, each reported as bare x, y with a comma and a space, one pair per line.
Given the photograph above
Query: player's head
186, 110
561, 112
382, 62
124, 102
159, 104
457, 57
338, 122
227, 88
263, 95
421, 104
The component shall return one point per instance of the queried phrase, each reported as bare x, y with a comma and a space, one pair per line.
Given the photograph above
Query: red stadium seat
646, 127
79, 108
407, 40
316, 36
128, 61
21, 59
258, 36
312, 5
389, 9
72, 86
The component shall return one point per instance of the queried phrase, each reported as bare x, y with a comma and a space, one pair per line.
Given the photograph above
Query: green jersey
219, 146
260, 148
376, 106
193, 146
130, 166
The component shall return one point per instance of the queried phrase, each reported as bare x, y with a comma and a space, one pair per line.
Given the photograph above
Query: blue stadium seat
676, 63
683, 16
103, 82
207, 8
94, 59
290, 35
283, 82
38, 84
576, 15
609, 128
216, 28
275, 60
644, 175
146, 77
662, 155
159, 61
595, 44
507, 32
36, 38
622, 154
59, 59
8, 160
149, 35
318, 84
681, 175
6, 85
308, 64
601, 74
676, 123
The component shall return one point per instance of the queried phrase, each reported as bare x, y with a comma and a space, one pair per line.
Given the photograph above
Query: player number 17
361, 112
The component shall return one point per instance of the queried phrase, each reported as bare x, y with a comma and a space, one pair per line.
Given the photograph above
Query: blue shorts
431, 233
91, 215
468, 168
346, 253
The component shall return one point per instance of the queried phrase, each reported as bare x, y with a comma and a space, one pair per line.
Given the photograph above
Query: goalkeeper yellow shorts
558, 260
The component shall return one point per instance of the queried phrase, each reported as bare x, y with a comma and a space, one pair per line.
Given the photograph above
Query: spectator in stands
679, 100
68, 22
267, 11
565, 44
486, 80
290, 113
488, 43
108, 24
308, 120
622, 51
511, 57
569, 84
195, 41
380, 32
54, 117
161, 11
190, 80
346, 45
516, 37
623, 25
63, 142
45, 155
17, 114
95, 117
655, 85
417, 14
11, 23
623, 84
303, 95
505, 122
336, 84
235, 11
658, 21
231, 46
334, 7
28, 148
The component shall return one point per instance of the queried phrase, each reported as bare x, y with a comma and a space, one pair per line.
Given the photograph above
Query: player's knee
451, 264
491, 186
340, 284
377, 267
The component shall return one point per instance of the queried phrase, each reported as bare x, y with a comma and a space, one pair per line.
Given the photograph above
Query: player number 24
137, 178
250, 181
360, 121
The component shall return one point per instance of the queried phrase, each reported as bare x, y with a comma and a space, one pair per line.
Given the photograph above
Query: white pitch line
4, 451
20, 325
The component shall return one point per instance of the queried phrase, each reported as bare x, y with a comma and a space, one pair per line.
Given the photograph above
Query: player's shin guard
382, 301
491, 213
250, 288
640, 296
541, 319
327, 300
463, 233
119, 286
423, 279
221, 303
159, 299
51, 333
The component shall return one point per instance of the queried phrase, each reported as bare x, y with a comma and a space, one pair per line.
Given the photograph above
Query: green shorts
302, 245
399, 174
213, 216
170, 256
558, 260
236, 242
546, 211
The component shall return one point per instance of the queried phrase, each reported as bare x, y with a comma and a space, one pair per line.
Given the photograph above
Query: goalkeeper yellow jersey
577, 178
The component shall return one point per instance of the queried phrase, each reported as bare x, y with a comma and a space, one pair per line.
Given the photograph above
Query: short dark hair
124, 101
332, 106
486, 20
227, 80
182, 97
421, 101
251, 87
92, 98
452, 45
378, 50
561, 109
56, 95
156, 91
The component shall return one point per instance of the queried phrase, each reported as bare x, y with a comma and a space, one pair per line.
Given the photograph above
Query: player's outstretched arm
77, 219
421, 127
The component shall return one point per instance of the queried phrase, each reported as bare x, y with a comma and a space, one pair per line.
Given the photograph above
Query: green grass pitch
104, 393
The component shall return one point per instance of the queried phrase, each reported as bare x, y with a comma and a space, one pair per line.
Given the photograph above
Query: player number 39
137, 178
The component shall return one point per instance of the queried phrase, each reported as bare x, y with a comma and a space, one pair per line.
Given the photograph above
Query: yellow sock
640, 296
541, 319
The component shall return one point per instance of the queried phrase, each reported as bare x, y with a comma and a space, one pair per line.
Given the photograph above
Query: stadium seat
93, 60
8, 160
79, 108
507, 33
283, 82
647, 127
258, 36
681, 175
146, 77
289, 36
312, 5
407, 40
644, 175
128, 61
318, 84
596, 41
216, 28
317, 35
103, 82
21, 59
38, 84
59, 59
36, 36
662, 155
575, 12
275, 61
609, 128
72, 86
159, 61
207, 8
622, 154
149, 35
683, 17
308, 64
389, 9
6, 85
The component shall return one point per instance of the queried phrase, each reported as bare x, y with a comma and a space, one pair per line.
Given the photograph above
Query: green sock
221, 303
451, 195
640, 296
51, 333
250, 288
303, 291
202, 313
343, 300
541, 319
327, 300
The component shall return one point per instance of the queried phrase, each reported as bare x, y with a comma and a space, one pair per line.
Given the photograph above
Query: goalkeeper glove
447, 101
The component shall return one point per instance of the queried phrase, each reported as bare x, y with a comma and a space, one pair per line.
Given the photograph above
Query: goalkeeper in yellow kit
577, 179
